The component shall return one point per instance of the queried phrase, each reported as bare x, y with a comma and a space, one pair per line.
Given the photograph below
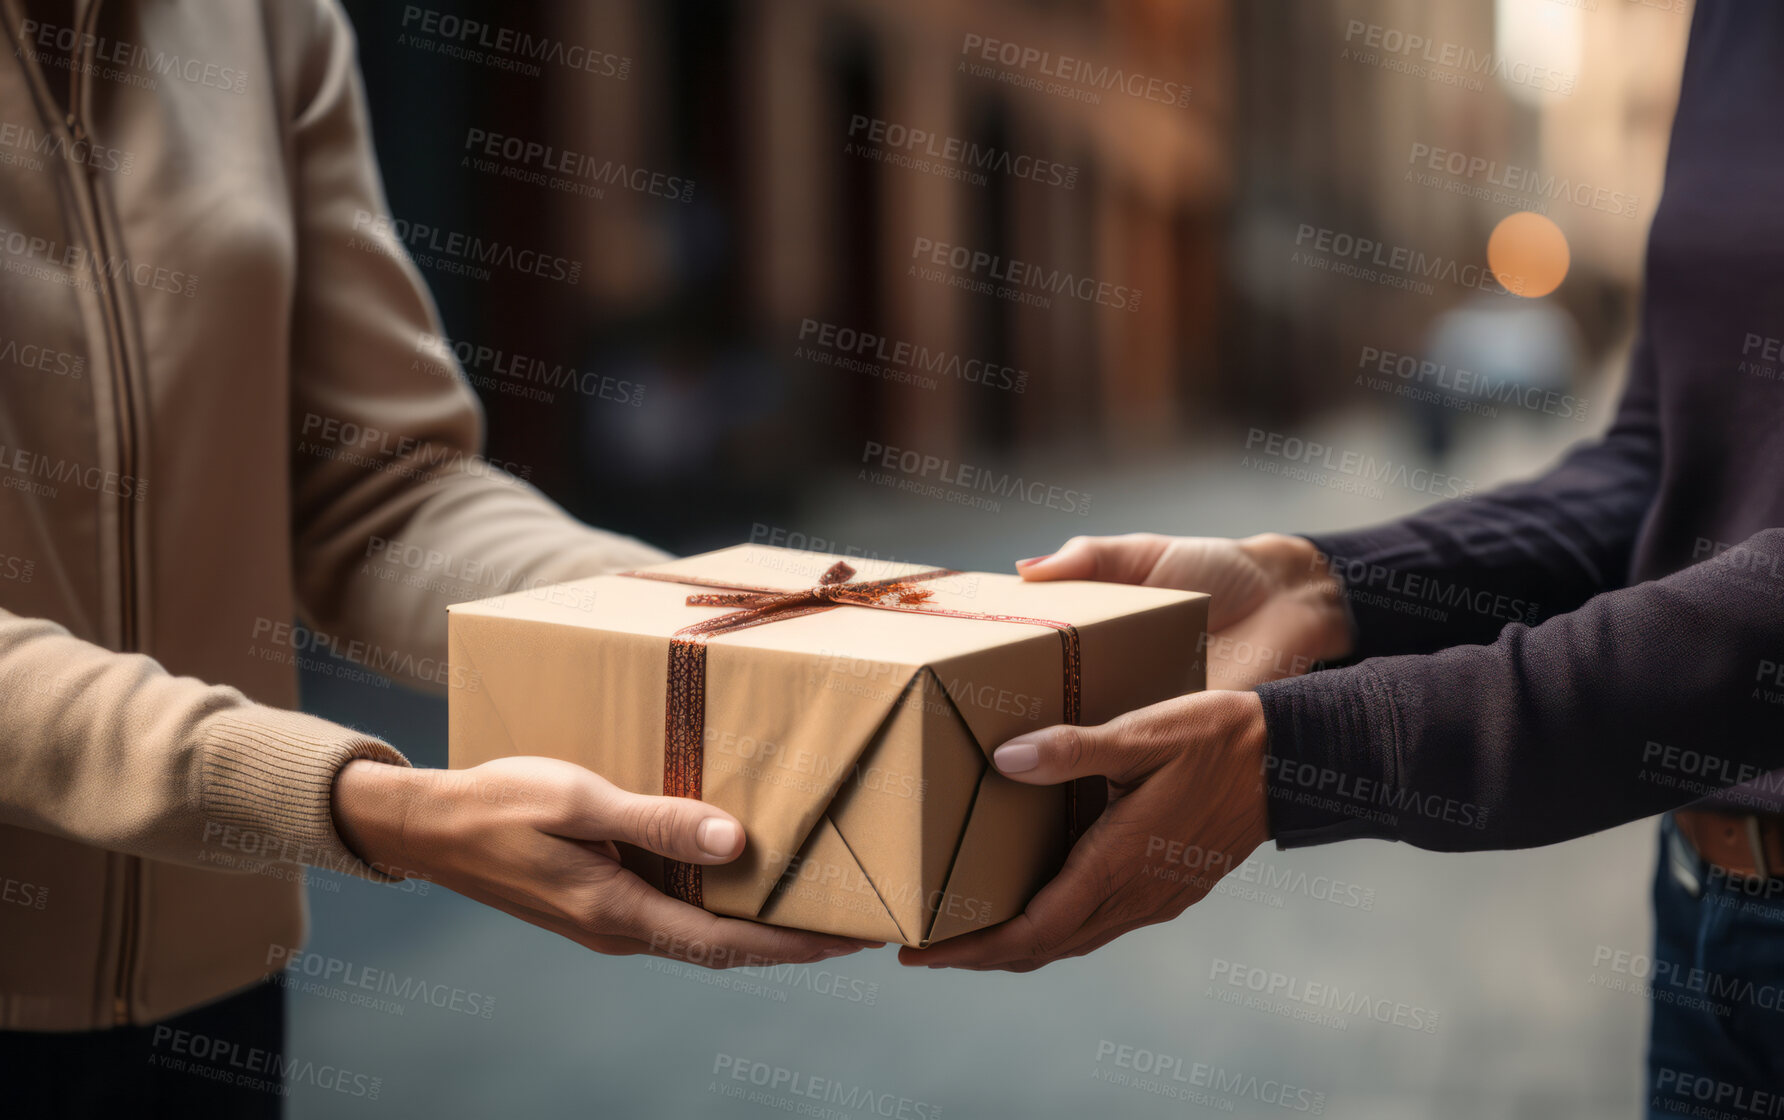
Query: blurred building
800, 215
743, 175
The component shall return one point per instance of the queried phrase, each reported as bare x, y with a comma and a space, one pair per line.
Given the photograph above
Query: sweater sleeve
1642, 700
397, 514
1460, 571
112, 750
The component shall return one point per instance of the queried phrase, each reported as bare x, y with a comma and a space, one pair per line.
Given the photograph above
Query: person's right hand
536, 838
1276, 611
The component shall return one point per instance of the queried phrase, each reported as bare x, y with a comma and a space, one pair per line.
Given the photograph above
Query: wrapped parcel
844, 709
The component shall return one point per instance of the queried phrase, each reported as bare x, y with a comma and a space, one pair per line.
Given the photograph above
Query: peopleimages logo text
462, 248
1173, 1071
1402, 260
1077, 71
967, 478
479, 38
1329, 997
1286, 777
911, 357
1413, 374
535, 162
86, 266
1294, 449
951, 149
334, 971
81, 150
232, 1063
994, 269
1521, 180
55, 45
829, 1090
1454, 56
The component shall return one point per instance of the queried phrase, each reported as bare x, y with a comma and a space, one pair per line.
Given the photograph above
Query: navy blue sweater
1649, 567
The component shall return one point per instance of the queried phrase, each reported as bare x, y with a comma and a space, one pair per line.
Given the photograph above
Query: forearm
111, 750
1548, 733
396, 512
1460, 571
378, 579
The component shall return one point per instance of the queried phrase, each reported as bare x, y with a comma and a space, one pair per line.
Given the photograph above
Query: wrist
1235, 740
1248, 740
1302, 573
373, 805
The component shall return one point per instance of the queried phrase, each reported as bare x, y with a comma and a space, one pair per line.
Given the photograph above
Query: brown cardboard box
852, 742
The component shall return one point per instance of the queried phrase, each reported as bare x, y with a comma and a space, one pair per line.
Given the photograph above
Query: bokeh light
1529, 254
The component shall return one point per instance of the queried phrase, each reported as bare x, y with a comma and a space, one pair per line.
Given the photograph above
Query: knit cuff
267, 788
1383, 575
1332, 767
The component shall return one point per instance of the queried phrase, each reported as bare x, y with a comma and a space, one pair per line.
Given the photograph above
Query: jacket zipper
85, 181
129, 639
123, 388
124, 395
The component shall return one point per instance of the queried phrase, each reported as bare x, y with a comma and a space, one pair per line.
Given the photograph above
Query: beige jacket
221, 409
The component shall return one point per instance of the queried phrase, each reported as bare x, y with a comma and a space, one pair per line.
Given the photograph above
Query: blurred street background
748, 200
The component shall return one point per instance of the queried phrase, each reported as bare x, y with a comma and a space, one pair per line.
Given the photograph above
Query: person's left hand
1186, 805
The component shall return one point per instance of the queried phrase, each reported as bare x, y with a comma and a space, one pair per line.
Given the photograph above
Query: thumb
1125, 559
1060, 754
679, 828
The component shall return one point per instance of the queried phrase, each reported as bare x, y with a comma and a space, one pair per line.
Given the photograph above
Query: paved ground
1496, 949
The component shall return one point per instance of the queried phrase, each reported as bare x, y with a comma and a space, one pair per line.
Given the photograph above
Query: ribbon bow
833, 589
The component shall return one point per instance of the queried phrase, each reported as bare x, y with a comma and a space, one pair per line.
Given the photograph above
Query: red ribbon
684, 739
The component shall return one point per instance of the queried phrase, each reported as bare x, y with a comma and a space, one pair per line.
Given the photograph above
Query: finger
1014, 940
620, 913
679, 828
1092, 937
669, 927
1125, 559
1123, 750
1121, 913
724, 949
1096, 932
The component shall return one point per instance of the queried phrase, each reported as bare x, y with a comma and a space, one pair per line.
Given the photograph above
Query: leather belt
1744, 845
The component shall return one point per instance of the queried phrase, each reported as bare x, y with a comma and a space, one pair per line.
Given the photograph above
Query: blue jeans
1717, 1044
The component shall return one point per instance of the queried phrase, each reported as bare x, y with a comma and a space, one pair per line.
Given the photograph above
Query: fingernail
1017, 757
1033, 560
716, 836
